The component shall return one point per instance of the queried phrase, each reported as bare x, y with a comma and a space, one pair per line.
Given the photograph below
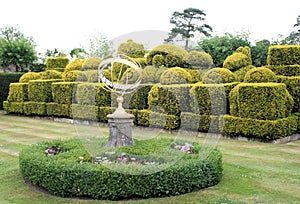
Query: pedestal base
120, 130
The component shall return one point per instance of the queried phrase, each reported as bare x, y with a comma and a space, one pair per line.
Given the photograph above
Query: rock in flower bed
153, 168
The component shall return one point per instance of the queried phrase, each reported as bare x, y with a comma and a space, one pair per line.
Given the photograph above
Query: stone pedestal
120, 130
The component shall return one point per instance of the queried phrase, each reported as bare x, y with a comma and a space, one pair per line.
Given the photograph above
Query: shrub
201, 123
151, 74
55, 109
88, 112
170, 99
64, 92
50, 74
283, 55
292, 85
196, 60
285, 70
236, 61
92, 94
13, 107
29, 76
63, 174
260, 75
131, 76
172, 55
196, 75
103, 112
92, 76
175, 75
5, 80
132, 49
35, 108
151, 119
18, 92
74, 75
262, 101
40, 90
142, 61
91, 63
56, 69
218, 76
240, 74
262, 130
210, 99
158, 60
57, 62
75, 65
246, 51
139, 99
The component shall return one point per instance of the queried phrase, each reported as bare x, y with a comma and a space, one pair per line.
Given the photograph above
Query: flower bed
65, 168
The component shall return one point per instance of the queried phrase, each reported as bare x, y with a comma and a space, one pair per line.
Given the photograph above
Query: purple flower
51, 150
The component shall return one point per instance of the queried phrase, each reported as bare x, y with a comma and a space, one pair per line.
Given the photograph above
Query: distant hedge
57, 62
262, 101
5, 80
283, 55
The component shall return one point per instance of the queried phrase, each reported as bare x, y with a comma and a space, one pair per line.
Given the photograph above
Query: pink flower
186, 147
125, 160
110, 153
136, 162
51, 150
123, 154
119, 159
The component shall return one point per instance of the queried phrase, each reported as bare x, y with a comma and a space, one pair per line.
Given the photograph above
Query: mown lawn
253, 172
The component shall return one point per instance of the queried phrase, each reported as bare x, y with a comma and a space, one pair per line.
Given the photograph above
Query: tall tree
294, 37
187, 23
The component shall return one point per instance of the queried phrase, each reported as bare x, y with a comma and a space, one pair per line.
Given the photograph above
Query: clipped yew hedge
259, 75
40, 90
283, 55
64, 175
35, 108
262, 101
285, 70
18, 92
293, 86
262, 130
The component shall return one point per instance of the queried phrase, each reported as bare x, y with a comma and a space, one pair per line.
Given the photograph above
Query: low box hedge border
64, 175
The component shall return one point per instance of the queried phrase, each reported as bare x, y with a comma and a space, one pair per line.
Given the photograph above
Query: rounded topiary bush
74, 75
75, 65
91, 63
151, 74
51, 74
196, 60
29, 76
130, 76
66, 169
236, 61
241, 73
260, 75
132, 49
171, 56
175, 75
218, 76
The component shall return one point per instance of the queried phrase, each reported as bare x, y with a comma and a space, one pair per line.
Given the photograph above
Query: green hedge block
5, 80
64, 92
56, 69
298, 115
35, 108
283, 55
139, 99
93, 94
211, 99
57, 62
88, 112
157, 120
262, 101
201, 123
40, 90
263, 130
293, 86
286, 70
61, 110
103, 112
18, 92
13, 107
170, 99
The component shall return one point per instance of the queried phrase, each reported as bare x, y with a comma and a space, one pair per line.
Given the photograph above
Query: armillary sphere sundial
114, 74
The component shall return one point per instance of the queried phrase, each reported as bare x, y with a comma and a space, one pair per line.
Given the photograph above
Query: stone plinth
120, 130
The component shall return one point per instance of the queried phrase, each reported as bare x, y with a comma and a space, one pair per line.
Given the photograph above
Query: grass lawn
253, 172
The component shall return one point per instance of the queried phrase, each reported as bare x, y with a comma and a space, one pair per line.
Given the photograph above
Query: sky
66, 24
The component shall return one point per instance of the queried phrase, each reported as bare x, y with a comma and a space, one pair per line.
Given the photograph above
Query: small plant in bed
151, 168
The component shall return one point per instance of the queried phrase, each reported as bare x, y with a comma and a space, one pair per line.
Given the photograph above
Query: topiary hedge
88, 112
132, 49
50, 74
260, 75
57, 62
29, 76
18, 92
91, 63
40, 90
263, 130
35, 108
292, 85
60, 110
169, 56
151, 74
64, 92
75, 65
13, 107
262, 101
175, 75
240, 74
236, 61
218, 76
64, 175
283, 55
199, 60
285, 70
75, 75
139, 99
